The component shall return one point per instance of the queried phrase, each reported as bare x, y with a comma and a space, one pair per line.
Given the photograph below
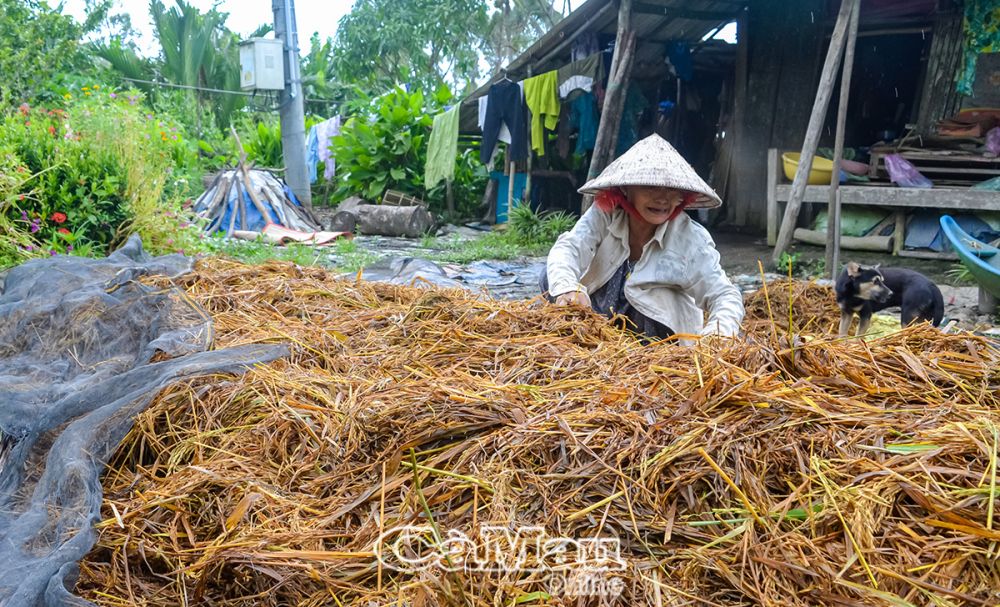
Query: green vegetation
260, 251
529, 228
960, 274
528, 234
91, 174
41, 56
796, 265
424, 43
347, 256
384, 147
95, 146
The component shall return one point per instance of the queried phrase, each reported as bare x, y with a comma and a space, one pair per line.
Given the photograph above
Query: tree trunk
381, 220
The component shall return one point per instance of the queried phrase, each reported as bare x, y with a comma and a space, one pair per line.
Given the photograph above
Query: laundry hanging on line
483, 101
442, 149
584, 117
318, 148
505, 105
540, 97
580, 76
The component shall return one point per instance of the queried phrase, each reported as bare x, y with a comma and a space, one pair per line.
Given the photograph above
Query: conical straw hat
654, 162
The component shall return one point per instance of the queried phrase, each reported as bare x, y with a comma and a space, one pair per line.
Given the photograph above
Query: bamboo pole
816, 119
614, 99
833, 213
512, 168
528, 163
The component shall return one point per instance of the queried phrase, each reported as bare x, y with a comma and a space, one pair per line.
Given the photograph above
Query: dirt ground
740, 253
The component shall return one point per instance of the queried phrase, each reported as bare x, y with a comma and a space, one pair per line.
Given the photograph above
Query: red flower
52, 130
63, 231
58, 217
23, 108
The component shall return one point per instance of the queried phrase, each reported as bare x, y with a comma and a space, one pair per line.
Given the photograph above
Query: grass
960, 274
528, 234
351, 257
258, 251
347, 256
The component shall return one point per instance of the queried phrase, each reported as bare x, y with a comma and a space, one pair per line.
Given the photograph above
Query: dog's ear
853, 269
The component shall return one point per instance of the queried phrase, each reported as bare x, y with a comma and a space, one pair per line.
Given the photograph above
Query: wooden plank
958, 170
645, 8
614, 98
854, 243
942, 198
899, 231
938, 98
772, 197
928, 255
572, 35
832, 257
823, 93
943, 156
740, 83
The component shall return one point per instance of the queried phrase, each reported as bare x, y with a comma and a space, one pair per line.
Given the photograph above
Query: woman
636, 254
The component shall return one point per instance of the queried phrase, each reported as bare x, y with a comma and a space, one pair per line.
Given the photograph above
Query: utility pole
292, 112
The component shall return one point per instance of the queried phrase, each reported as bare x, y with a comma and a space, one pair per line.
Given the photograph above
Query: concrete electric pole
292, 112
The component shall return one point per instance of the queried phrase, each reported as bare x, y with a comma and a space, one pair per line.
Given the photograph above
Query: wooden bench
900, 199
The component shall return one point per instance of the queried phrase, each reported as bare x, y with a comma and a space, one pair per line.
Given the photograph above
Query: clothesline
521, 113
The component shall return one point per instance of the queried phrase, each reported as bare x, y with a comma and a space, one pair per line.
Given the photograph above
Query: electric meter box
262, 65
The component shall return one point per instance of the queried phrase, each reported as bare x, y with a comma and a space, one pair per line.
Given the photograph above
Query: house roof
655, 21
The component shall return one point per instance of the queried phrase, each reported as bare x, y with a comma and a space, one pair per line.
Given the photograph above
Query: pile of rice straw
775, 470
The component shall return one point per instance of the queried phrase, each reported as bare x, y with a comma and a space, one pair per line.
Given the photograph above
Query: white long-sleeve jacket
676, 278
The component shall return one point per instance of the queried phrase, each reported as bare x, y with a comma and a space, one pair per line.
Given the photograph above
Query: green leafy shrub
385, 149
98, 171
527, 227
384, 146
39, 49
263, 147
15, 244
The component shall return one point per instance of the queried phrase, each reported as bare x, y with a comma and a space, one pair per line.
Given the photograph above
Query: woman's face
654, 204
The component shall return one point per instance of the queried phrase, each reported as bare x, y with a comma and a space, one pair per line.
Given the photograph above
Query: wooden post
527, 163
490, 195
899, 231
833, 210
512, 167
772, 196
614, 98
987, 304
816, 119
736, 133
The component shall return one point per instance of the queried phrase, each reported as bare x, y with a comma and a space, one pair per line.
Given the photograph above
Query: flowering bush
96, 172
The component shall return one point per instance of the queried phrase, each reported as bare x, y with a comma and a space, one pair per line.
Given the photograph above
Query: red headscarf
607, 200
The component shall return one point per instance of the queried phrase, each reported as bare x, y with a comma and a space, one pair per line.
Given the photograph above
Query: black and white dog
863, 290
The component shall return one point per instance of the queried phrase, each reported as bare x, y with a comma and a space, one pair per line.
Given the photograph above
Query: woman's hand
579, 298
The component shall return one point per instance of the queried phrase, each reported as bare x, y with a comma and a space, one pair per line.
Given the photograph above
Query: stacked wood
226, 201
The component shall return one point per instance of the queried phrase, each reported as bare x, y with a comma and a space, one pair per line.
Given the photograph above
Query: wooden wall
783, 56
939, 99
785, 47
